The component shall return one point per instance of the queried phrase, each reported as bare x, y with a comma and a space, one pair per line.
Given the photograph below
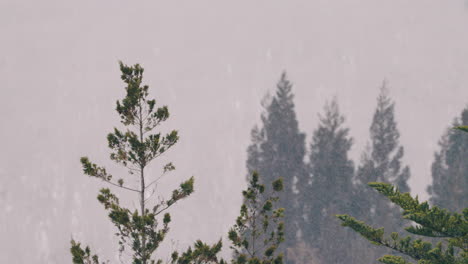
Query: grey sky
211, 62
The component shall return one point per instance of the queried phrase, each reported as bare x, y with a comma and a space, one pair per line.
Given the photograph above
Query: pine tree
330, 189
451, 229
259, 229
382, 162
278, 150
257, 234
450, 169
140, 231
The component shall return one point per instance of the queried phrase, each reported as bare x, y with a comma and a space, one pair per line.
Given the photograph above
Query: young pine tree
278, 150
141, 230
330, 188
257, 234
259, 229
449, 186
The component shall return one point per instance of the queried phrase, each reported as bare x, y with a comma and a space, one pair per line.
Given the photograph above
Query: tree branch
121, 186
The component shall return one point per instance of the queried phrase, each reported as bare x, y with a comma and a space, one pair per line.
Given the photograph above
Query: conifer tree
330, 188
200, 254
259, 229
382, 162
140, 231
278, 150
257, 234
451, 229
449, 186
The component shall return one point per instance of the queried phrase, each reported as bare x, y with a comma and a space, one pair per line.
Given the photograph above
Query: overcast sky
211, 62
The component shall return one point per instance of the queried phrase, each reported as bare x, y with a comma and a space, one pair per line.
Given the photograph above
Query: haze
211, 62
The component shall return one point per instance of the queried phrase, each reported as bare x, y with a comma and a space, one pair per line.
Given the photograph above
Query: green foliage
462, 128
259, 229
201, 253
82, 256
452, 228
139, 231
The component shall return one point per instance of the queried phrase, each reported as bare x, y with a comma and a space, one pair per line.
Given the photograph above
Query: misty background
211, 63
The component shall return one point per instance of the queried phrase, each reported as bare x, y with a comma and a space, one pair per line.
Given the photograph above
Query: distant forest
322, 181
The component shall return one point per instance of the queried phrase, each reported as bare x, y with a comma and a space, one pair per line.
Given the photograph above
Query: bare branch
121, 186
152, 193
154, 181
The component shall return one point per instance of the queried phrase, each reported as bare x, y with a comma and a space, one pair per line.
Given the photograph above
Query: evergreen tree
330, 187
451, 229
141, 230
382, 162
257, 234
278, 150
259, 229
450, 169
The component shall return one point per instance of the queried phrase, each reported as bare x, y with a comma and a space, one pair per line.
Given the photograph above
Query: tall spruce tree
329, 189
449, 186
278, 150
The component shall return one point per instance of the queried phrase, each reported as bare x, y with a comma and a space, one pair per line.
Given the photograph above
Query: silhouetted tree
381, 161
278, 150
330, 187
449, 186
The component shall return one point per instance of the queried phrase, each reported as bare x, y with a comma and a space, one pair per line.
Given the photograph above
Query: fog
211, 63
